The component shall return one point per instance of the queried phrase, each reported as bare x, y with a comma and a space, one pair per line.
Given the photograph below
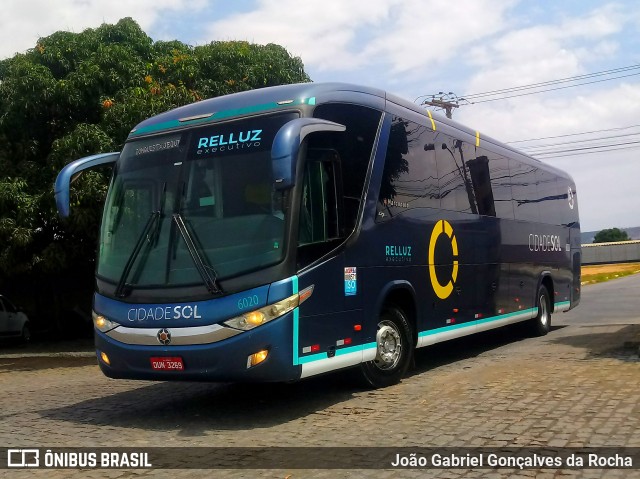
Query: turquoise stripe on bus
219, 115
339, 352
562, 304
296, 319
476, 322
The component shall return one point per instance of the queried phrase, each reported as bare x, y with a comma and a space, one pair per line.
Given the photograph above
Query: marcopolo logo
443, 227
229, 141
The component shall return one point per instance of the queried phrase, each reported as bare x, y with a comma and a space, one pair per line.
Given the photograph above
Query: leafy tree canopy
76, 94
609, 235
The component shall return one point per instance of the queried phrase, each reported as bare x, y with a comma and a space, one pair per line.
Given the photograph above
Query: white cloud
562, 48
23, 22
337, 35
322, 33
546, 51
424, 34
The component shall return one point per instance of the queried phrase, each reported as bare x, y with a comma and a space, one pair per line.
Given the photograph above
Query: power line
443, 101
589, 152
551, 82
586, 140
592, 147
573, 134
550, 89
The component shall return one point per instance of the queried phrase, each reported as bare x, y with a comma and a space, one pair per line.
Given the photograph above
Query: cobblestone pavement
578, 386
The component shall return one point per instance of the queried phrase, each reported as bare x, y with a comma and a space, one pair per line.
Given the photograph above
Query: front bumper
225, 360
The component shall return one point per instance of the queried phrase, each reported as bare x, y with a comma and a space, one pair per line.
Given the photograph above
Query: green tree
611, 234
76, 94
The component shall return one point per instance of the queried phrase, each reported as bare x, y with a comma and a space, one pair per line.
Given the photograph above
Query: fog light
257, 358
105, 358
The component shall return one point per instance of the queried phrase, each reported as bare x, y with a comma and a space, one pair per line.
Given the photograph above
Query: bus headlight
261, 316
103, 324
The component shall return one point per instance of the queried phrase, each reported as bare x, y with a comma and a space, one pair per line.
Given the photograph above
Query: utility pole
445, 101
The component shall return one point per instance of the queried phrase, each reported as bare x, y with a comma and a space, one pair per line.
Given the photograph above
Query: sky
414, 48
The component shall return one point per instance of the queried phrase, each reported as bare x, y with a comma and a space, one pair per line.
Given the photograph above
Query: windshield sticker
227, 142
350, 281
157, 146
244, 136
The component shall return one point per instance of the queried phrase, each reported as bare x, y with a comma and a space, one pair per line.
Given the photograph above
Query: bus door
325, 324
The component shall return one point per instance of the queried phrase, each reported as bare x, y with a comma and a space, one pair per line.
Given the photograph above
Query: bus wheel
394, 348
541, 324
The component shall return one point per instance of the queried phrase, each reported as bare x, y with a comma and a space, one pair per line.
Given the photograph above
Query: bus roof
272, 98
245, 103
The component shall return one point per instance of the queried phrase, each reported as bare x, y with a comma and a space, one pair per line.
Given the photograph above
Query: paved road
578, 386
612, 302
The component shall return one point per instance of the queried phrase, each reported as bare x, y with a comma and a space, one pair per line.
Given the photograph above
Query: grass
600, 273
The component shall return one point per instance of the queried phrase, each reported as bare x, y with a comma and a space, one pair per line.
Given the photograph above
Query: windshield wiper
120, 289
203, 268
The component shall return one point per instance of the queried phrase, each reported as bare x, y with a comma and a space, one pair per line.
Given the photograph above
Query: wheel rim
388, 346
544, 311
26, 334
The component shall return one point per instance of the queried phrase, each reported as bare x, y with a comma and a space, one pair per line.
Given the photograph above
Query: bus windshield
194, 204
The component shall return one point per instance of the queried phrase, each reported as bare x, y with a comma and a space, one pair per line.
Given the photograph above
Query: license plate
167, 364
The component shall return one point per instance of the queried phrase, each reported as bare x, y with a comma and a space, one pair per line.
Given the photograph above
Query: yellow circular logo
442, 227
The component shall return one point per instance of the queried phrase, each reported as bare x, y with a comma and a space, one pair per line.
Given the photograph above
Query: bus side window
525, 193
409, 178
481, 181
456, 189
320, 207
501, 186
549, 204
354, 146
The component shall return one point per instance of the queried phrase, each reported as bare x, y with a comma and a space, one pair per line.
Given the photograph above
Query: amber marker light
257, 358
255, 318
105, 358
101, 322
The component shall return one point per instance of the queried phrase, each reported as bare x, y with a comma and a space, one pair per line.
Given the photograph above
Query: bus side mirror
70, 173
286, 145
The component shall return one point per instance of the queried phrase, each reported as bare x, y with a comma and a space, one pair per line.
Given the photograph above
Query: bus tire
541, 324
394, 350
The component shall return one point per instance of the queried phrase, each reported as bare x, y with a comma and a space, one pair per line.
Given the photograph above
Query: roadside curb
69, 354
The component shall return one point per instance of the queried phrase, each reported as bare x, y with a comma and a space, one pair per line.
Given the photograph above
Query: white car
13, 323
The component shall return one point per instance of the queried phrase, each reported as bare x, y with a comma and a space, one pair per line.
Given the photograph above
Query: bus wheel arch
541, 324
547, 281
395, 338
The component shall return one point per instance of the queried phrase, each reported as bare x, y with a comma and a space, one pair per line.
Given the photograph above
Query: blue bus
281, 233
